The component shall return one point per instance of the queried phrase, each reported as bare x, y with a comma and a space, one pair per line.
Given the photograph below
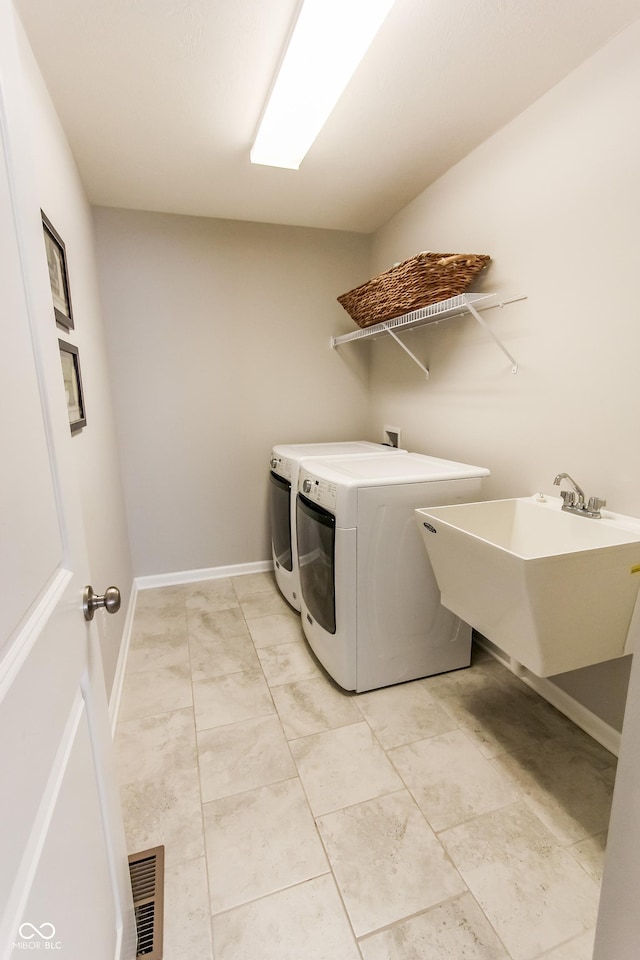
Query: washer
370, 604
285, 463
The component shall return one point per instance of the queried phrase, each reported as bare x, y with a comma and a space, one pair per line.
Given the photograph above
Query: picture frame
58, 274
70, 360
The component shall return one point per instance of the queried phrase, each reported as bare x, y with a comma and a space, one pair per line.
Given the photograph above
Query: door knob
92, 602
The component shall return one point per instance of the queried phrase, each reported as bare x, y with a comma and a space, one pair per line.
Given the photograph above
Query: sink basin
555, 591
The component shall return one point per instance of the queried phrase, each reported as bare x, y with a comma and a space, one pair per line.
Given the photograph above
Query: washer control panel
322, 492
282, 466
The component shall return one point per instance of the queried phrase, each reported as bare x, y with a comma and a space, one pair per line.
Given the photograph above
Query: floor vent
147, 883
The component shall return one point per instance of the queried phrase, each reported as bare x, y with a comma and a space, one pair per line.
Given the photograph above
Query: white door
64, 882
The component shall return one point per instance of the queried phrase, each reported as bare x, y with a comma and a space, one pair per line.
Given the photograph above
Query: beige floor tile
451, 780
457, 930
343, 766
533, 892
243, 756
609, 773
266, 605
558, 728
155, 691
451, 689
209, 595
250, 584
217, 656
590, 855
276, 628
305, 922
312, 706
170, 622
149, 652
576, 740
165, 810
402, 714
563, 788
496, 717
259, 842
229, 699
152, 746
216, 624
541, 723
387, 862
157, 598
288, 663
580, 948
187, 919
268, 869
159, 612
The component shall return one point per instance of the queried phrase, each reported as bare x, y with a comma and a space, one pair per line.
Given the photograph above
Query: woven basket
422, 280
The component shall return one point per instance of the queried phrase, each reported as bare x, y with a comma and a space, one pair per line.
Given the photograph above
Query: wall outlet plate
392, 436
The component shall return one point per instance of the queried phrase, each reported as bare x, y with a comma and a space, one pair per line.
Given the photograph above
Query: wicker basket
422, 280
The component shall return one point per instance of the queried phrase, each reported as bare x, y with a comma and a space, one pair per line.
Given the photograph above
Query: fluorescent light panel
329, 41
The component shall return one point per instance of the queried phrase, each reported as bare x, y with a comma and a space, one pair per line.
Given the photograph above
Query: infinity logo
42, 931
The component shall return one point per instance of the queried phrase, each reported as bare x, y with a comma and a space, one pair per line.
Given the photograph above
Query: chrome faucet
575, 500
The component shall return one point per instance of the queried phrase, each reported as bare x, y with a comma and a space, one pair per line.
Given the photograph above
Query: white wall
60, 194
554, 197
218, 335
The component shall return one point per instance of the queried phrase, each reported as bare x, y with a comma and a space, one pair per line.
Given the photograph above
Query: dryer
370, 604
284, 464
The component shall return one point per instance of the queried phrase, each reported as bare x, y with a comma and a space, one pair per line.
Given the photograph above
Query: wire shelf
464, 303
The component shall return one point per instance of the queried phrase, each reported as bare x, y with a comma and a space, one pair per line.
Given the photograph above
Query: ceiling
160, 99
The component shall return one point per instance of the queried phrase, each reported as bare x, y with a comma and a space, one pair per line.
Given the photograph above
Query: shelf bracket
472, 310
397, 339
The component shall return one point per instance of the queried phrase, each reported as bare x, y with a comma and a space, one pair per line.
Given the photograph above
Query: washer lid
297, 451
391, 468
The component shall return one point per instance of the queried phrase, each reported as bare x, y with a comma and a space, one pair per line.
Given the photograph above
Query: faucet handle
569, 497
595, 503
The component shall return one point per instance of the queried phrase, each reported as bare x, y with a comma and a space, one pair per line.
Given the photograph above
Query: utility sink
553, 590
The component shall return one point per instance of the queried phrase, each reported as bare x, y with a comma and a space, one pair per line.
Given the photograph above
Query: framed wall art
72, 377
58, 274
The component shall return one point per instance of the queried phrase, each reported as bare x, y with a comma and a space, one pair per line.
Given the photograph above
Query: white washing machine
370, 604
285, 463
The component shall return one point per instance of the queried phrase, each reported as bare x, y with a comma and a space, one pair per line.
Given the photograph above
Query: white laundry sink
554, 590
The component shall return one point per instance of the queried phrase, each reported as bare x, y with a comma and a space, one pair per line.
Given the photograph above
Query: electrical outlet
392, 436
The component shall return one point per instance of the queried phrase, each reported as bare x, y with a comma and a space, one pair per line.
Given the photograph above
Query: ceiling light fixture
329, 40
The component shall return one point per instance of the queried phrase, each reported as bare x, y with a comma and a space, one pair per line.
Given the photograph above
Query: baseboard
207, 573
118, 680
584, 718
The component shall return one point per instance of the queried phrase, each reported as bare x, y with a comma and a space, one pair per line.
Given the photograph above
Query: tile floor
458, 817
